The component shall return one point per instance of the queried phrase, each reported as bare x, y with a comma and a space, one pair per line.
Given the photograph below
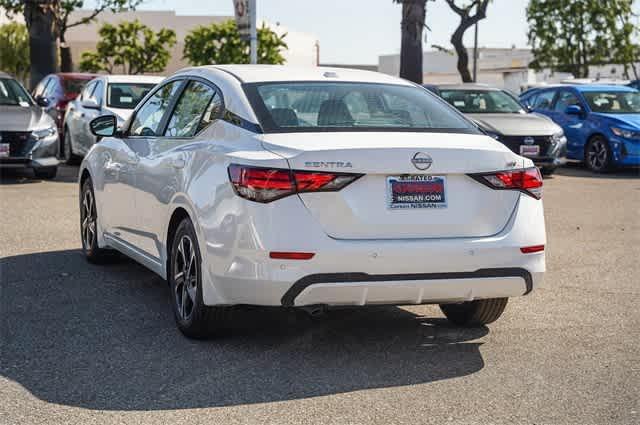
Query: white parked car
115, 95
279, 186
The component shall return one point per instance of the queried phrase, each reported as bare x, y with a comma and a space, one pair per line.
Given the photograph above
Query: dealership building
303, 48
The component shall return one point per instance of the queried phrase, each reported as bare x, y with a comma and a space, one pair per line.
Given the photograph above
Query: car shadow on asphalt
66, 174
102, 337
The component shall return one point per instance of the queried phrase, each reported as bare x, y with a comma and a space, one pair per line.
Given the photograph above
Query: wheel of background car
597, 154
69, 156
47, 173
89, 225
193, 317
475, 313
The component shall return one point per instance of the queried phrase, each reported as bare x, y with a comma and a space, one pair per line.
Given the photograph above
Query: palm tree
413, 17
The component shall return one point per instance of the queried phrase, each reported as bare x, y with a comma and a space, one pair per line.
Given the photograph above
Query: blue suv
601, 123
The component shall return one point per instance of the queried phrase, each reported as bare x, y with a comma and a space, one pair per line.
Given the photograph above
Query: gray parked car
28, 135
504, 118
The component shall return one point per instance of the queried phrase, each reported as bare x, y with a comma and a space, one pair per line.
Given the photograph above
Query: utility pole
253, 35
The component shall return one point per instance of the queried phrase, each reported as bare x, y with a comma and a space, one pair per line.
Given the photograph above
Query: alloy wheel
597, 154
88, 219
185, 278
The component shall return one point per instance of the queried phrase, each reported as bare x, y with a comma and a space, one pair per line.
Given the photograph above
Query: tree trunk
39, 19
463, 56
413, 14
66, 61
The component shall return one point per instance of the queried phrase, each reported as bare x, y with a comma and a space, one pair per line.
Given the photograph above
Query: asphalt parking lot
88, 344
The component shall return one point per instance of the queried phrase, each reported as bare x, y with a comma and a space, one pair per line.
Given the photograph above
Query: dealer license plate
416, 191
529, 150
4, 150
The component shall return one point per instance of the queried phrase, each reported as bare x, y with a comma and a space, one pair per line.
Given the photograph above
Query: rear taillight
268, 184
528, 180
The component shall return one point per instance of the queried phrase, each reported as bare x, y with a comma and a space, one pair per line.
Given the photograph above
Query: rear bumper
363, 289
359, 272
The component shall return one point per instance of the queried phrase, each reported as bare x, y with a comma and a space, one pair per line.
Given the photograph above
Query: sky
358, 31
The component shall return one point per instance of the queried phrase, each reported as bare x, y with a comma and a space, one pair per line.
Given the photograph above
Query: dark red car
55, 91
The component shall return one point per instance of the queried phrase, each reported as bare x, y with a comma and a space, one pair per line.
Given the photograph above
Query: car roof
581, 88
603, 87
76, 75
274, 73
465, 86
152, 79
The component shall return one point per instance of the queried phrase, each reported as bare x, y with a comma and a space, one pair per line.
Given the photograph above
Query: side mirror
42, 101
573, 110
104, 126
90, 104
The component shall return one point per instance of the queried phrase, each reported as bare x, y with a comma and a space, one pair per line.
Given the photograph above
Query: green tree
131, 48
48, 22
570, 35
467, 20
221, 43
14, 50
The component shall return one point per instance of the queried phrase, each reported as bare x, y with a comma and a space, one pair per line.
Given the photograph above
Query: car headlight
44, 133
627, 134
558, 138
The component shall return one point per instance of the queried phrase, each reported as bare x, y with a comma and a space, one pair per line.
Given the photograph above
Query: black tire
45, 173
69, 156
193, 317
548, 171
597, 154
88, 229
475, 313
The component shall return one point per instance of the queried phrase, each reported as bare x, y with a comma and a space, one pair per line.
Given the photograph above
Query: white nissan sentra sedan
279, 186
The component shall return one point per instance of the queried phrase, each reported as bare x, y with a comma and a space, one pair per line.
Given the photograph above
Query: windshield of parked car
333, 106
614, 102
471, 101
13, 94
127, 95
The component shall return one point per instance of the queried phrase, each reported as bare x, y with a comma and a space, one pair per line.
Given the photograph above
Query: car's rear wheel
69, 156
597, 154
46, 173
193, 317
89, 225
475, 313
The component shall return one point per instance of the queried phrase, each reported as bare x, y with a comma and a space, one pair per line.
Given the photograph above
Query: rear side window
149, 116
188, 117
333, 106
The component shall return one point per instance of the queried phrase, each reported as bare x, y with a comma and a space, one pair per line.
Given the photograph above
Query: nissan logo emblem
529, 140
421, 161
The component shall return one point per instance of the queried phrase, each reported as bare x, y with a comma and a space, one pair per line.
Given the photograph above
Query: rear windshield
72, 87
127, 95
12, 93
329, 106
482, 101
614, 102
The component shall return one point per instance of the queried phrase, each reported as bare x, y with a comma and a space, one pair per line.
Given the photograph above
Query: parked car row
596, 124
52, 123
